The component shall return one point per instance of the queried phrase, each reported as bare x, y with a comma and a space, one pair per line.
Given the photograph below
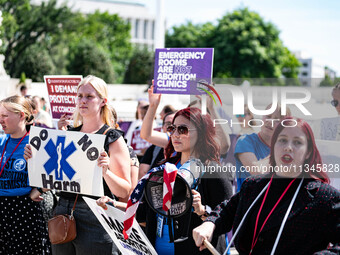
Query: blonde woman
22, 225
93, 115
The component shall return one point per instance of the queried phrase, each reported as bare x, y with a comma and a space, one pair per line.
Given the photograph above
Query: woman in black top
192, 136
290, 210
93, 115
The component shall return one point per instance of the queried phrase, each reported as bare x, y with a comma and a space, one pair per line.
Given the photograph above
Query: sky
310, 26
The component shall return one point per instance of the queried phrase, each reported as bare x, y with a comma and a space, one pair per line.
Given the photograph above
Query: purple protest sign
176, 69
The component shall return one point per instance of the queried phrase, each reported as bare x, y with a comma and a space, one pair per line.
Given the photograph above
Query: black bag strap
74, 205
155, 152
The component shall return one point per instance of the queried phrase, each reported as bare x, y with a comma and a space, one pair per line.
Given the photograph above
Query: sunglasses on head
335, 102
181, 129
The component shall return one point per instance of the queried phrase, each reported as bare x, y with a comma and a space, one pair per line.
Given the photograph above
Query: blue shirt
14, 178
162, 243
249, 143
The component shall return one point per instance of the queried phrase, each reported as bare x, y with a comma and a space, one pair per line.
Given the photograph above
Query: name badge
160, 222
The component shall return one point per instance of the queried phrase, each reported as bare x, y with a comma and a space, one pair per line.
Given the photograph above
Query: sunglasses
181, 129
334, 102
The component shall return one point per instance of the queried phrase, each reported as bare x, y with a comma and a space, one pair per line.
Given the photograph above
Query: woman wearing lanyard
191, 136
93, 115
292, 210
22, 225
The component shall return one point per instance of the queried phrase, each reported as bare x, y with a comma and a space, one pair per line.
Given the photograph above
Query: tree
25, 25
140, 67
35, 62
327, 82
57, 30
189, 35
110, 32
87, 58
245, 46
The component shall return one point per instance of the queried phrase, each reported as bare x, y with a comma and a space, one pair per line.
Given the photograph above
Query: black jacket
312, 224
214, 188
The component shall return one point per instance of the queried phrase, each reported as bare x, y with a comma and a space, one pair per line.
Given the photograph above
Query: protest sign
66, 161
124, 125
138, 144
62, 93
113, 222
177, 69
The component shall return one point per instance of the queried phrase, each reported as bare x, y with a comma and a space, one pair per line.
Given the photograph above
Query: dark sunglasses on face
335, 102
181, 129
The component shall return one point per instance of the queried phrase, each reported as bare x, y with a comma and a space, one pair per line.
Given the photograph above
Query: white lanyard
282, 224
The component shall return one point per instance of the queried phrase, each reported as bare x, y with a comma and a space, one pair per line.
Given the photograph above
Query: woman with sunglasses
159, 140
192, 135
291, 210
23, 229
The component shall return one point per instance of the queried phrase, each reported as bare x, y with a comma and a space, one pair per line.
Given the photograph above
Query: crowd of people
268, 209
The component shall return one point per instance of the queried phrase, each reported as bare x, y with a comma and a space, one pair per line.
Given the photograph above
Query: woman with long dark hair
192, 136
291, 210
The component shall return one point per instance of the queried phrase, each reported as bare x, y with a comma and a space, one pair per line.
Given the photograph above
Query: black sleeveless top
111, 136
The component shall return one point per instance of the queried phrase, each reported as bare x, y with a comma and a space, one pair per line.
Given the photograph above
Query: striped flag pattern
169, 176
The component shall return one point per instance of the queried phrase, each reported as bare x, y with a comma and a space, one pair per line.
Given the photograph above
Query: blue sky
310, 26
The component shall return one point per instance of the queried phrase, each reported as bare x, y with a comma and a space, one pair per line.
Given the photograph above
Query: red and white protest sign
138, 144
62, 93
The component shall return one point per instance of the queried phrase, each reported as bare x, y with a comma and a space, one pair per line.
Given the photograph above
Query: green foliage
22, 77
328, 82
35, 62
87, 58
290, 64
245, 46
189, 35
109, 32
26, 25
58, 30
140, 67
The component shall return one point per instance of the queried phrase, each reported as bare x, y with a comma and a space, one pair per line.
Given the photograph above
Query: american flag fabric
169, 176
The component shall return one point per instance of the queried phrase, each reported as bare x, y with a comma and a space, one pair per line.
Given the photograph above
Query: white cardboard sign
113, 222
66, 161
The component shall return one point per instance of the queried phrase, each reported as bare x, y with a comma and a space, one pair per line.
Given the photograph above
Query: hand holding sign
202, 233
154, 99
65, 161
64, 121
104, 161
27, 152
